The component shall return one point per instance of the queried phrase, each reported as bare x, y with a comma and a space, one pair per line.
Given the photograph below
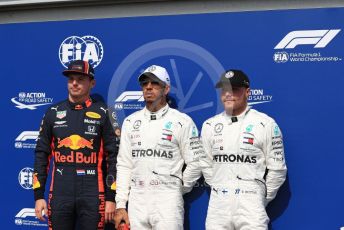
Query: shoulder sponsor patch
93, 115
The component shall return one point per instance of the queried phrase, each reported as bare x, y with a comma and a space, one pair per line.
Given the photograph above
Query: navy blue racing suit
81, 141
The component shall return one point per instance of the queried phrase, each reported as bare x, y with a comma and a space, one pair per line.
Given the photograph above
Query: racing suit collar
232, 119
79, 106
156, 115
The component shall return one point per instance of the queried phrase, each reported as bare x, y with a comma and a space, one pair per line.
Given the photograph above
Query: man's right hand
41, 206
121, 216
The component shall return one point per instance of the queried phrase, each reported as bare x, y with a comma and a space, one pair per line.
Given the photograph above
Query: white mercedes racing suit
244, 164
153, 150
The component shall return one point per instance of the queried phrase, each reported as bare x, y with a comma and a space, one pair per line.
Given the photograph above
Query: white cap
157, 71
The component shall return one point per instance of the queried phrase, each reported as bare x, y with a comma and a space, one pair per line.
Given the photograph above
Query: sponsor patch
248, 140
167, 137
61, 114
93, 115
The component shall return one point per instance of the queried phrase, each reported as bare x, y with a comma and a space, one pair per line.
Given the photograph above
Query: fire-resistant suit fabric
153, 150
245, 165
83, 145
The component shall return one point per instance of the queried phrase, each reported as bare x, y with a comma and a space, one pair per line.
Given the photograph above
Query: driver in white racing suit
156, 142
244, 161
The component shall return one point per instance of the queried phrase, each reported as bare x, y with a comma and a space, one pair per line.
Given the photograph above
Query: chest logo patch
93, 115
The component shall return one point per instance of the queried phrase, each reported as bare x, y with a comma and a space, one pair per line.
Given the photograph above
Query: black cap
79, 67
235, 78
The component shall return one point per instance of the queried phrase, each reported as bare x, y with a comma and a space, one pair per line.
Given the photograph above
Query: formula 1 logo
87, 48
25, 212
27, 217
130, 95
26, 139
319, 38
129, 100
26, 135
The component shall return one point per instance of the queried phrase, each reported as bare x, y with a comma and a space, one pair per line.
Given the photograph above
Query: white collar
156, 115
240, 117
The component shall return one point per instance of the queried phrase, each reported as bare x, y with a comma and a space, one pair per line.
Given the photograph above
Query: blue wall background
303, 95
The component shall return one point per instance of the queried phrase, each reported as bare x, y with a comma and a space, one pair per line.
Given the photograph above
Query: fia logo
87, 48
25, 178
281, 57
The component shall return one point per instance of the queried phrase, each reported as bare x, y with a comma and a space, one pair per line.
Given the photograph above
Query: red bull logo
101, 211
75, 142
77, 157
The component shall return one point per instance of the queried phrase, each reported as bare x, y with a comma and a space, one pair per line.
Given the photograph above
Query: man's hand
121, 215
41, 206
110, 209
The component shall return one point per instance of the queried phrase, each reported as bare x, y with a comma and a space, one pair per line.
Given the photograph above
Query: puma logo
103, 109
60, 171
54, 108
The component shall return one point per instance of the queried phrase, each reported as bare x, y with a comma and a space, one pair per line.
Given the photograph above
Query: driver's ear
166, 89
93, 83
248, 92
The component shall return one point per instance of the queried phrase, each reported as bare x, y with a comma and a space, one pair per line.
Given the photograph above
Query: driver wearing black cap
244, 159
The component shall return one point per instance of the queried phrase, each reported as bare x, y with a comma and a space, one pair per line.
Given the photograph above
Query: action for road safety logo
31, 100
258, 96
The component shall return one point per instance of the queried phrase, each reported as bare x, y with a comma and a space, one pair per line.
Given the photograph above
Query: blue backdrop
293, 58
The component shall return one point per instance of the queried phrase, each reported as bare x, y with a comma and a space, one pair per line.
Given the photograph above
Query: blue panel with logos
294, 59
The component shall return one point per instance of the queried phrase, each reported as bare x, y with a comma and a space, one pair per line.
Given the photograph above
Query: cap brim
232, 84
152, 76
68, 72
220, 84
